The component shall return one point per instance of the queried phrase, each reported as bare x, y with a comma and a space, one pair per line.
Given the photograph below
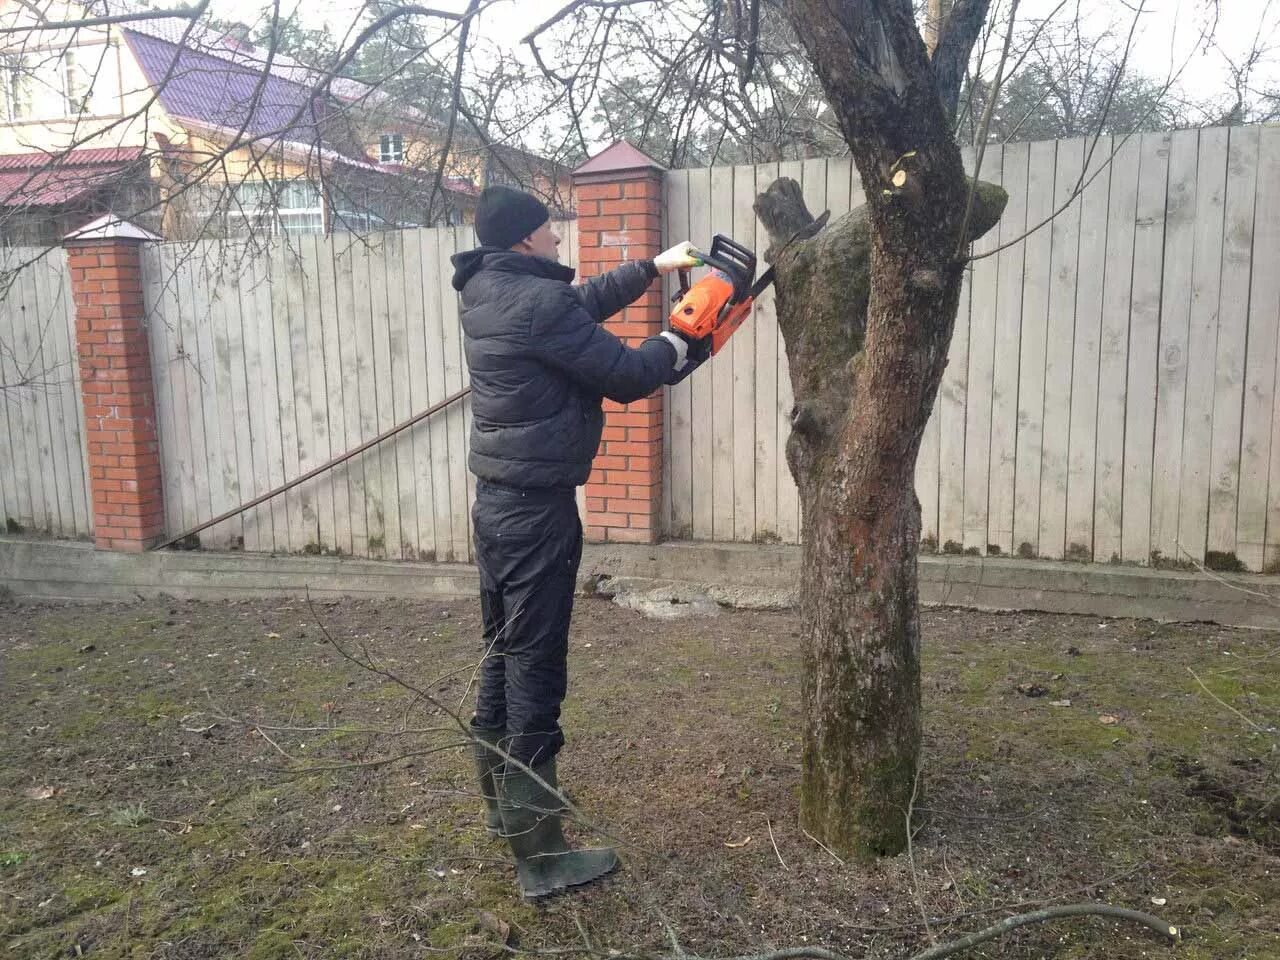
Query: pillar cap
111, 227
619, 157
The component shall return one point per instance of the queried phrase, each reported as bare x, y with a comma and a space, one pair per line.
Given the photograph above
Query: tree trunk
866, 308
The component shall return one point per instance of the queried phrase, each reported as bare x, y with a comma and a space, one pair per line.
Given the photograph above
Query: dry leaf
273, 636
1060, 703
41, 793
718, 770
138, 872
1108, 720
1159, 901
736, 844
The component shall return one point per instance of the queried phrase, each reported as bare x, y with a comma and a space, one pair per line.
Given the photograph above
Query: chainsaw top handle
735, 261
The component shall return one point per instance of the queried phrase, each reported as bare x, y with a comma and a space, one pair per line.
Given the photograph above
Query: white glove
680, 257
682, 348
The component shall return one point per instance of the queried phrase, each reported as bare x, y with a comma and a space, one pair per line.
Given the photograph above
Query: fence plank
23, 481
1233, 318
304, 326
1144, 340
953, 399
184, 371
220, 309
1035, 332
273, 396
320, 448
838, 182
703, 391
720, 376
678, 409
460, 519
59, 280
1113, 352
1202, 344
378, 254
1091, 272
53, 358
1175, 316
983, 285
402, 403
202, 399
1256, 530
257, 526
416, 308
743, 352
466, 240
340, 479
768, 346
1063, 276
350, 310
157, 316
1007, 350
442, 523
49, 474
364, 323
286, 299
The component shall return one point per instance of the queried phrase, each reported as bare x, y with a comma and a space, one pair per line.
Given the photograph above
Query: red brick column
115, 382
619, 203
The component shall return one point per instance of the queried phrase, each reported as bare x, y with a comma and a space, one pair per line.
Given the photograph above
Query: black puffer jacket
540, 363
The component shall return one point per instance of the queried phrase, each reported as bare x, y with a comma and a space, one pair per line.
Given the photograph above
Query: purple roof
215, 91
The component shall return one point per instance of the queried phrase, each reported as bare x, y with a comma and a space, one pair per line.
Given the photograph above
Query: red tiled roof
51, 180
72, 158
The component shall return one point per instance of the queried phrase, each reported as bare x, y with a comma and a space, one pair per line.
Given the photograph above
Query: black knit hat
505, 216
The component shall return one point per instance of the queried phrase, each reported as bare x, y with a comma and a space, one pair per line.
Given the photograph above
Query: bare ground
1155, 788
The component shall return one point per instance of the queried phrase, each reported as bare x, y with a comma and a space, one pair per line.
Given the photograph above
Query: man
540, 363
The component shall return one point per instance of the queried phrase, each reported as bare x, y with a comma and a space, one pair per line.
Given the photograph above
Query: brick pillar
619, 203
115, 382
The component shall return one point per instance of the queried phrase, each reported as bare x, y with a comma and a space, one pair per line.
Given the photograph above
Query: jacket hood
466, 265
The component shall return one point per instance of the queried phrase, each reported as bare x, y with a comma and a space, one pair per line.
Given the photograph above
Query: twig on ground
1049, 913
1213, 575
768, 823
834, 855
1255, 726
911, 859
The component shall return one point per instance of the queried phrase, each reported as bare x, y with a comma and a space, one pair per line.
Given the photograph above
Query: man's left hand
682, 256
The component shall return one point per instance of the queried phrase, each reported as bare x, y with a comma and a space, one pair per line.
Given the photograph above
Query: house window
55, 85
263, 208
75, 84
391, 149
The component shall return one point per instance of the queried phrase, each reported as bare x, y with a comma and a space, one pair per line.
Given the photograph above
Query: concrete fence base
731, 575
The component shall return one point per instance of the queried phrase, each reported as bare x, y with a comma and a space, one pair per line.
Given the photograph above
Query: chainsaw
717, 304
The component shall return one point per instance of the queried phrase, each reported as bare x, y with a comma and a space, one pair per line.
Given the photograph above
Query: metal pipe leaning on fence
327, 465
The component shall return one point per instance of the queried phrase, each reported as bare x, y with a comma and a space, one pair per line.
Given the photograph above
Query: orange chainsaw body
708, 309
717, 304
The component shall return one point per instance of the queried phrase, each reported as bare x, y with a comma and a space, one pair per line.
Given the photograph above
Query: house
195, 133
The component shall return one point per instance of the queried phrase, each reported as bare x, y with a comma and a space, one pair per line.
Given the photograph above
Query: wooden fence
1112, 385
1111, 392
268, 363
43, 482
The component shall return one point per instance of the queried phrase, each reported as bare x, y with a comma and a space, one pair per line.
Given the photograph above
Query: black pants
528, 548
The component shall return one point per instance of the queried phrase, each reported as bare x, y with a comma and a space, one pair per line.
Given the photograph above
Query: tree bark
866, 308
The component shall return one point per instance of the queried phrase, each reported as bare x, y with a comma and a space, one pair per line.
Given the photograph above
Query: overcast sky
1166, 38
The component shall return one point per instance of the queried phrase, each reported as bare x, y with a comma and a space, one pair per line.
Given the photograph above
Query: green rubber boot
487, 763
545, 863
